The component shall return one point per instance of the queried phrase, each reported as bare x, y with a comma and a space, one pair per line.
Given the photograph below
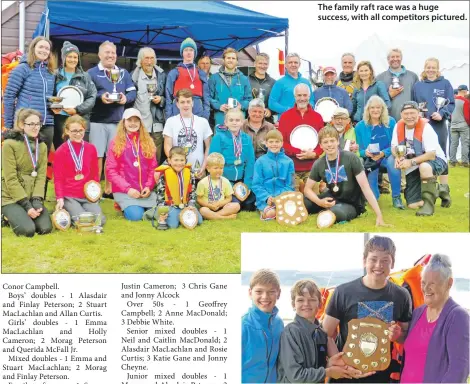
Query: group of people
135, 120
434, 336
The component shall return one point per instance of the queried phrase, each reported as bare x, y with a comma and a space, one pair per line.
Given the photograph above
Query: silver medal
34, 173
335, 188
191, 86
136, 163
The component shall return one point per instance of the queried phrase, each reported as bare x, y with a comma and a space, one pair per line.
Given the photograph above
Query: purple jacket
448, 351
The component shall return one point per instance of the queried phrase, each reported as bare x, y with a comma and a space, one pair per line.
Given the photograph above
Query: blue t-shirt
64, 83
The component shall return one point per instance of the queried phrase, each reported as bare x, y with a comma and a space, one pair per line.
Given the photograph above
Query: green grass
214, 247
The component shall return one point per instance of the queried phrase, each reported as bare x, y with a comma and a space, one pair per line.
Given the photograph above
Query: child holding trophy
24, 163
130, 164
76, 171
214, 192
237, 149
274, 174
176, 189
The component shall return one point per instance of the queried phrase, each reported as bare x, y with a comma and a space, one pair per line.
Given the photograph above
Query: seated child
261, 329
214, 192
176, 186
274, 174
304, 345
237, 149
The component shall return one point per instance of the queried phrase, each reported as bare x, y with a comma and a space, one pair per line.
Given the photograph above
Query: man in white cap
347, 134
329, 89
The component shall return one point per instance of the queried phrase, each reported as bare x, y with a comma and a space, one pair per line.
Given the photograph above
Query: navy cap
462, 87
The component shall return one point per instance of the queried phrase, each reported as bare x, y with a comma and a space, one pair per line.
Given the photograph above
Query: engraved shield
290, 208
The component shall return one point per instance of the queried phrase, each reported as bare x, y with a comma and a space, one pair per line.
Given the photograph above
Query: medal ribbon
78, 160
181, 185
211, 188
34, 159
135, 147
193, 77
335, 180
237, 145
188, 132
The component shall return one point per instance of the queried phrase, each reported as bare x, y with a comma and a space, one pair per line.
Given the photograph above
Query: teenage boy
214, 192
176, 186
346, 180
369, 296
261, 329
188, 131
274, 174
237, 149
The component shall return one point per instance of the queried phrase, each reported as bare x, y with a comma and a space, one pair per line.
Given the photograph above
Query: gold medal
79, 176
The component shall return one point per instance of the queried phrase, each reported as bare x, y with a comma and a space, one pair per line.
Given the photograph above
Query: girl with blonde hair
130, 166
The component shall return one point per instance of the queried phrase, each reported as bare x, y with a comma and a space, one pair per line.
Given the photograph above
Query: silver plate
72, 96
326, 106
304, 137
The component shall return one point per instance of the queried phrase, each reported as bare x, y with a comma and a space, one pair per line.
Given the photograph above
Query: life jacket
417, 135
184, 81
172, 193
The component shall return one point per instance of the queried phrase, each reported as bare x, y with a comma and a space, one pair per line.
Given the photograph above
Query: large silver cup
440, 102
88, 222
114, 75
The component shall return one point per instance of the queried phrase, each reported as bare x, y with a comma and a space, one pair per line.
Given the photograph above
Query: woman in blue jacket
427, 91
366, 86
30, 84
377, 128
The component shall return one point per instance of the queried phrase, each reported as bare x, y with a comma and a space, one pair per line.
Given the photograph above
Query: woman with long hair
130, 166
366, 86
71, 73
30, 84
75, 164
374, 137
24, 164
429, 92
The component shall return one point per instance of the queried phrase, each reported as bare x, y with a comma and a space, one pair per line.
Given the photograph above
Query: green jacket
17, 182
349, 134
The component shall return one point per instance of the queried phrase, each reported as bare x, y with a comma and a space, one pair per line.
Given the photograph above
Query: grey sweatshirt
458, 118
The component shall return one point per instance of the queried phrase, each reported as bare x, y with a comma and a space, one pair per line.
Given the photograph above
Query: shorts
413, 180
101, 135
299, 177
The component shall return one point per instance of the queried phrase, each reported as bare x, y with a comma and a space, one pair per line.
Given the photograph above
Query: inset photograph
365, 307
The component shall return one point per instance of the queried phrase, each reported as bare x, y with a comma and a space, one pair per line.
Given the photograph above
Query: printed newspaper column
98, 329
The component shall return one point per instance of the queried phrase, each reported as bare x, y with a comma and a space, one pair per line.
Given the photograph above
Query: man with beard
229, 85
261, 83
150, 104
406, 80
301, 114
204, 64
348, 61
342, 123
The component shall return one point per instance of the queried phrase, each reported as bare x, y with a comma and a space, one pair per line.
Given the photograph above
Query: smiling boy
261, 329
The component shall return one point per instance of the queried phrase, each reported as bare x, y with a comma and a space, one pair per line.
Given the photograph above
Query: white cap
128, 113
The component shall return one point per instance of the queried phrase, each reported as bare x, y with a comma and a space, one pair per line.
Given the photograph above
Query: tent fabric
161, 25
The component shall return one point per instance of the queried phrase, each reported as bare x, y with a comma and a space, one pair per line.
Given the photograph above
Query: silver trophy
396, 83
151, 89
440, 102
318, 78
401, 151
88, 222
114, 75
261, 94
423, 108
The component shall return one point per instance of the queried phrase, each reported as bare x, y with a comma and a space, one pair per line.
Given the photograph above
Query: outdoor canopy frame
161, 25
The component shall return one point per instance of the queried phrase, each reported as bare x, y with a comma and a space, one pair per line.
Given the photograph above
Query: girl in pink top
130, 166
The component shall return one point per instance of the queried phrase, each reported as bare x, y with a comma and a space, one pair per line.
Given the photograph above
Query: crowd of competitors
135, 119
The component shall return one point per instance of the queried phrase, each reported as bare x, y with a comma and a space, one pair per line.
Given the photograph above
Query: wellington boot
429, 193
444, 195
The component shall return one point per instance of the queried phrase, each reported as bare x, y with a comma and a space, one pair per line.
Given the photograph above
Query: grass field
214, 247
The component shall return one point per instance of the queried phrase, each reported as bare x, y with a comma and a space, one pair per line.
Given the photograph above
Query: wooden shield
368, 346
61, 220
93, 191
290, 208
188, 217
241, 191
326, 219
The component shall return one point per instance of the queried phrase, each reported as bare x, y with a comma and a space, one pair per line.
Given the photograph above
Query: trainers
397, 203
452, 163
465, 165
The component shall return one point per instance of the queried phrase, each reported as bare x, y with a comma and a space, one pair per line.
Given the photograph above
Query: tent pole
22, 26
286, 38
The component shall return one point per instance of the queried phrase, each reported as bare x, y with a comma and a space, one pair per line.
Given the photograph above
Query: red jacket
64, 170
291, 119
466, 108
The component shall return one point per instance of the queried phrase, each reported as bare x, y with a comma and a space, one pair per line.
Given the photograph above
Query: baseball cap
340, 112
128, 113
329, 69
410, 105
462, 87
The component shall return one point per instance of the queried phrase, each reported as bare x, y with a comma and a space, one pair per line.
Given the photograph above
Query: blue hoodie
274, 174
361, 97
220, 92
30, 88
261, 334
222, 142
337, 93
427, 90
282, 94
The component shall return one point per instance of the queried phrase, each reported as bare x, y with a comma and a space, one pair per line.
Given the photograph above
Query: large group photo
148, 142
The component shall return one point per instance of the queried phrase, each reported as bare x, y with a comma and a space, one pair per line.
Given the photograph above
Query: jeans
173, 220
134, 213
394, 175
